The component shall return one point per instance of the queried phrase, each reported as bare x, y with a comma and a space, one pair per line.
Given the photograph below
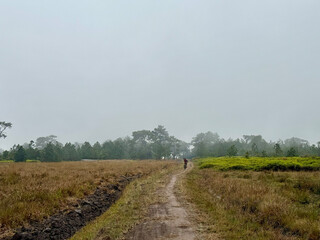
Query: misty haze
97, 71
157, 106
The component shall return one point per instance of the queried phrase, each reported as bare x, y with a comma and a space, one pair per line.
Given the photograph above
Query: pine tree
20, 155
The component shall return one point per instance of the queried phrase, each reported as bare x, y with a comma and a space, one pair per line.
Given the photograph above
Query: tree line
210, 144
143, 144
158, 144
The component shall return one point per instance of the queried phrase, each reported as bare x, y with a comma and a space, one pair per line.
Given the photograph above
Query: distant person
185, 163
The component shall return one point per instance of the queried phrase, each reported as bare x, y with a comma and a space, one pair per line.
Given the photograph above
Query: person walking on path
185, 163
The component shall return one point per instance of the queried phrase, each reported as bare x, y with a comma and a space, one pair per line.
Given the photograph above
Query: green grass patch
32, 160
11, 161
261, 164
6, 161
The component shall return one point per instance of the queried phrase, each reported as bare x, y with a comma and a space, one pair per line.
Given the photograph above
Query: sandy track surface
167, 220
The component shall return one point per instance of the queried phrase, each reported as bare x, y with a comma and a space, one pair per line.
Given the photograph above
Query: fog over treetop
97, 70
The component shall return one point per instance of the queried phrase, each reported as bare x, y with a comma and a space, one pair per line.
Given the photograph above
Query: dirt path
167, 220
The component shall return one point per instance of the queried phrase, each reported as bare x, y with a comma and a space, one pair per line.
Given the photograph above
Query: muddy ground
66, 223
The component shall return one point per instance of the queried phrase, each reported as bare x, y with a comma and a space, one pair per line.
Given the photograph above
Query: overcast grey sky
98, 70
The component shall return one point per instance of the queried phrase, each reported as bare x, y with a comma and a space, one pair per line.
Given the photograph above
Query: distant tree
58, 147
203, 144
140, 145
69, 153
254, 143
121, 148
184, 150
174, 147
3, 127
87, 151
294, 141
31, 151
313, 150
264, 153
51, 153
12, 152
5, 154
117, 149
20, 155
178, 148
257, 139
277, 149
96, 148
107, 151
254, 148
232, 151
292, 152
160, 142
42, 142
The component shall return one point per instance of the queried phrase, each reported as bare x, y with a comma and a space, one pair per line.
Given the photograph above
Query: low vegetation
261, 163
31, 191
256, 204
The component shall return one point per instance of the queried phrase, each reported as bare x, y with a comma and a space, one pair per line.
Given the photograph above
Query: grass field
260, 163
30, 191
237, 204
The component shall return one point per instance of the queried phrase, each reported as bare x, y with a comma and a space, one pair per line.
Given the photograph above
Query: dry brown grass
258, 205
30, 191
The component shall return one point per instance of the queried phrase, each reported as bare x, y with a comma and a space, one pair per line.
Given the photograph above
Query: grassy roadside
198, 217
129, 210
32, 191
255, 205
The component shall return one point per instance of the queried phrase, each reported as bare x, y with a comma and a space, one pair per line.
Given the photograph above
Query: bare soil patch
168, 220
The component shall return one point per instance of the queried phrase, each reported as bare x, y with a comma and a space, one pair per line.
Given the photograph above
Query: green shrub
261, 163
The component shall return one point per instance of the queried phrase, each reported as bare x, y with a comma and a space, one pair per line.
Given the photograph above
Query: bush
261, 163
